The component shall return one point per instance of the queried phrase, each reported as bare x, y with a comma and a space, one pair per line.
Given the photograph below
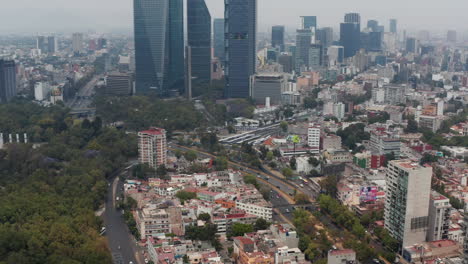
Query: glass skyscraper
7, 80
350, 38
277, 37
199, 39
308, 22
159, 45
218, 28
393, 25
241, 25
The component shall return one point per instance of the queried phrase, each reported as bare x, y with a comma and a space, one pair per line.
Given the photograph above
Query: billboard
368, 194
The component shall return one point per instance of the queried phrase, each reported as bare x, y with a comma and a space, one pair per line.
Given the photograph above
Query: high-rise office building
371, 41
324, 36
7, 80
218, 28
335, 55
411, 45
277, 37
452, 36
315, 56
407, 201
393, 25
159, 45
352, 18
52, 45
303, 42
241, 25
101, 43
199, 39
152, 147
77, 43
41, 44
350, 38
308, 22
373, 25
286, 60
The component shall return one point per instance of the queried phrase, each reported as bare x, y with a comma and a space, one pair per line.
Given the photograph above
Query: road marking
118, 258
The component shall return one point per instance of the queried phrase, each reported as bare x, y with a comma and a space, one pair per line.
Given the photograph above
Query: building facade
268, 85
218, 38
8, 86
152, 147
277, 37
199, 39
313, 135
119, 84
350, 38
439, 217
303, 42
159, 45
241, 25
407, 201
308, 22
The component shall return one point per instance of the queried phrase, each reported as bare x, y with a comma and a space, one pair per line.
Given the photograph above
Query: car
302, 185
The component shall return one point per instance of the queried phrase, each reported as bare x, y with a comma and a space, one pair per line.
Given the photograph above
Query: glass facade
350, 38
277, 37
7, 80
309, 22
240, 37
159, 45
218, 28
199, 39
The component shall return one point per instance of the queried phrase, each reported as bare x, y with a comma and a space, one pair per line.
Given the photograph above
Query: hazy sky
44, 16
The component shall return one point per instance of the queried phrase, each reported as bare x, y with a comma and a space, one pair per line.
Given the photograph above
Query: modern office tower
159, 45
41, 44
313, 135
152, 147
352, 18
374, 43
411, 45
303, 42
308, 22
118, 83
452, 36
407, 201
381, 29
241, 25
324, 36
77, 43
350, 38
199, 39
101, 43
439, 217
7, 80
268, 85
335, 55
373, 25
315, 56
218, 28
393, 26
286, 60
277, 37
52, 45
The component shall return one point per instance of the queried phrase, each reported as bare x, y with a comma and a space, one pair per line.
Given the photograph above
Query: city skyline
68, 16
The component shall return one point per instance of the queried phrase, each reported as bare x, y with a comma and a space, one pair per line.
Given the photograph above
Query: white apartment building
152, 147
255, 207
313, 135
407, 201
152, 221
439, 217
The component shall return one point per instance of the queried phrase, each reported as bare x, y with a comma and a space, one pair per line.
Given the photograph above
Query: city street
83, 97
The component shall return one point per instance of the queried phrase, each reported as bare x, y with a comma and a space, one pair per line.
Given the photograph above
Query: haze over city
66, 15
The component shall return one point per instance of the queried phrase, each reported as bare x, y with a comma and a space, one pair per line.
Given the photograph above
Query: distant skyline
33, 16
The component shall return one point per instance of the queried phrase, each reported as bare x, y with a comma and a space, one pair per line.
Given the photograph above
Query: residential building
439, 217
407, 201
430, 122
77, 43
257, 207
218, 35
8, 84
119, 84
395, 94
268, 85
241, 29
153, 221
330, 141
313, 135
338, 156
345, 256
159, 45
199, 39
286, 255
382, 143
277, 37
152, 147
224, 222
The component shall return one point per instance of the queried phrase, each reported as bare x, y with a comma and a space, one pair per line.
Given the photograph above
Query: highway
83, 97
122, 244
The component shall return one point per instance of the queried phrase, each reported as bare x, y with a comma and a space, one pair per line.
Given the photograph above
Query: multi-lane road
83, 97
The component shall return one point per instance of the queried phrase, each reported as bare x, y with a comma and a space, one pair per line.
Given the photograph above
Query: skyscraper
393, 25
315, 56
41, 44
52, 44
411, 45
159, 45
199, 39
277, 37
308, 22
352, 18
350, 38
324, 36
218, 28
7, 80
373, 25
303, 42
77, 43
241, 25
407, 201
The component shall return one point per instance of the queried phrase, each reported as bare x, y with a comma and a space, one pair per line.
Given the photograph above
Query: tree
239, 229
261, 224
231, 129
221, 163
269, 155
178, 154
204, 217
185, 196
161, 171
313, 161
293, 163
301, 198
284, 126
190, 155
412, 126
251, 179
287, 172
